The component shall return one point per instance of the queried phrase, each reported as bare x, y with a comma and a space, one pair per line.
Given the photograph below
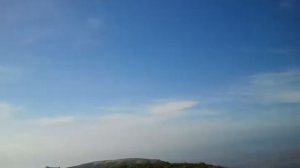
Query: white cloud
55, 120
6, 110
172, 108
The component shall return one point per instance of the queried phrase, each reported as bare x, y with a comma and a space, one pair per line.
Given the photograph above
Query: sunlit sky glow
192, 81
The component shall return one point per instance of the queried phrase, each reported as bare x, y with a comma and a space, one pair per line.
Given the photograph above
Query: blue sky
209, 67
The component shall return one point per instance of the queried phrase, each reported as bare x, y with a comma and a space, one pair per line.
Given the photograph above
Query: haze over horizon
181, 81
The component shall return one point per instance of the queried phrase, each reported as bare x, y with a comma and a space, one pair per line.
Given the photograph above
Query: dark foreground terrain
142, 163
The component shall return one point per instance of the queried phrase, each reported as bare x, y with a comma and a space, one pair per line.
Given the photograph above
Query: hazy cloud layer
70, 140
6, 110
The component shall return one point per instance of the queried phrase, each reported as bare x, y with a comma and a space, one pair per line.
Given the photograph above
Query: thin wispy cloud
288, 4
44, 23
281, 87
174, 108
8, 72
54, 121
94, 23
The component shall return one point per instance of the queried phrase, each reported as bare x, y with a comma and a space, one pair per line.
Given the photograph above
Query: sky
182, 81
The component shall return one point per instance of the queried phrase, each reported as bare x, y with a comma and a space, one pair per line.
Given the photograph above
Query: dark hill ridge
141, 163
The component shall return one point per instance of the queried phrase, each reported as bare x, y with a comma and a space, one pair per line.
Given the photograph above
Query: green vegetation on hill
142, 163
